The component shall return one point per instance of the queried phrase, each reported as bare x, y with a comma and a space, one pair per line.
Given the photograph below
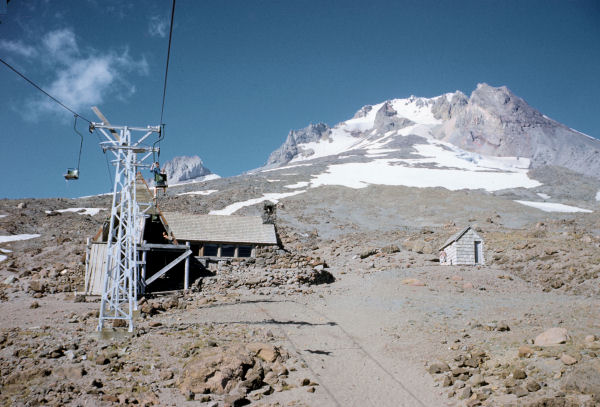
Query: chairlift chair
160, 180
72, 174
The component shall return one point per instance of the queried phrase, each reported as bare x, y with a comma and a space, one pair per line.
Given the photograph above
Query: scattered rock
568, 359
525, 351
438, 367
519, 374
532, 386
553, 336
413, 282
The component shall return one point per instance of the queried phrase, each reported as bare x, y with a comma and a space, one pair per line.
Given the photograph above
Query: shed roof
456, 236
220, 228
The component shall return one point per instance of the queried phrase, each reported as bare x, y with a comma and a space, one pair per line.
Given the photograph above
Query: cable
44, 92
80, 144
162, 109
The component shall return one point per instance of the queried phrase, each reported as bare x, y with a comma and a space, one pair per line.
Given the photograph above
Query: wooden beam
168, 267
105, 121
150, 246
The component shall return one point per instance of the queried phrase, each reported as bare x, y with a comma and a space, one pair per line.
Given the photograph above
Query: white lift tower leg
121, 268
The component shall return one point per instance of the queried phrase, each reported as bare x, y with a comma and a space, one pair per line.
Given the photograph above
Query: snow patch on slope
14, 238
80, 211
205, 192
297, 185
273, 197
554, 207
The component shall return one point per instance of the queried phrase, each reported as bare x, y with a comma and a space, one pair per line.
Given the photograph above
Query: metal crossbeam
119, 293
168, 267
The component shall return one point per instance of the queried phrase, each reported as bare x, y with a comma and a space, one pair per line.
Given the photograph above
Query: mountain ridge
493, 121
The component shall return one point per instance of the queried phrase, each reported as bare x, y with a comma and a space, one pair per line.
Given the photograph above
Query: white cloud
61, 44
17, 47
83, 79
158, 26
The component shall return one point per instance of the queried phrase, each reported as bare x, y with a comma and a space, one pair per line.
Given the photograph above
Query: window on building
227, 250
244, 251
211, 250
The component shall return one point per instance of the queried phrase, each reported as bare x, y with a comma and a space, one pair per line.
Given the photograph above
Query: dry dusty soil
392, 328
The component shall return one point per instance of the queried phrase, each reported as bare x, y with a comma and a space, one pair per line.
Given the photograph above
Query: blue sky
244, 73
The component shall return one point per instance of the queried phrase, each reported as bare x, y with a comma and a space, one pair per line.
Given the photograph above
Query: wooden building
173, 242
463, 248
220, 236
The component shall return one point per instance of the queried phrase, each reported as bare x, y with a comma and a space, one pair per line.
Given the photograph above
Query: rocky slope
491, 122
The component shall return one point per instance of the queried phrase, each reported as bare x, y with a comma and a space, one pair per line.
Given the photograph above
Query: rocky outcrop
295, 138
185, 169
497, 122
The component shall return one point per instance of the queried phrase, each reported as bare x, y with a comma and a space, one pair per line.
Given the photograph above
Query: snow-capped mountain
185, 169
492, 130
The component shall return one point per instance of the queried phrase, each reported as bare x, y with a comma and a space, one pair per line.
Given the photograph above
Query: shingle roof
220, 228
455, 237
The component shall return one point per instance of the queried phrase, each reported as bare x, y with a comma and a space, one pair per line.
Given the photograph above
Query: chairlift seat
160, 180
72, 174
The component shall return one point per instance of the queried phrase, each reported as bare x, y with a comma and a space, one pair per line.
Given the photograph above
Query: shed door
477, 252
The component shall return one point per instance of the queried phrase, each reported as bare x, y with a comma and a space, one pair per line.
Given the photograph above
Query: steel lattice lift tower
121, 271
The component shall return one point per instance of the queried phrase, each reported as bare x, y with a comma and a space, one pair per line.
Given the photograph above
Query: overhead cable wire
162, 109
43, 91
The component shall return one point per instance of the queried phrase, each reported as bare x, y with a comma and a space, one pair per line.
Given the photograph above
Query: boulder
217, 370
551, 337
37, 286
265, 351
438, 367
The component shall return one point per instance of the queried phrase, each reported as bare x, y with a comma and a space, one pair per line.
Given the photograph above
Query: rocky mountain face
493, 121
289, 149
186, 169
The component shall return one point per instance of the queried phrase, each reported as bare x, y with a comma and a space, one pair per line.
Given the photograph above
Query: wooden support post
219, 251
87, 266
186, 276
201, 252
236, 251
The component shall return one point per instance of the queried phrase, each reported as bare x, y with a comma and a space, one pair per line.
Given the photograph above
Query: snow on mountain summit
492, 122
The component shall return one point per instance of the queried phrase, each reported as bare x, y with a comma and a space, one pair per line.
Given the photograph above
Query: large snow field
394, 172
553, 207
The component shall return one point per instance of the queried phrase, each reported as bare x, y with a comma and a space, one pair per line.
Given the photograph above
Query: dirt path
350, 364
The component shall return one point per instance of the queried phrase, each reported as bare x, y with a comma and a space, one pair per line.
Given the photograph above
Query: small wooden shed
463, 248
